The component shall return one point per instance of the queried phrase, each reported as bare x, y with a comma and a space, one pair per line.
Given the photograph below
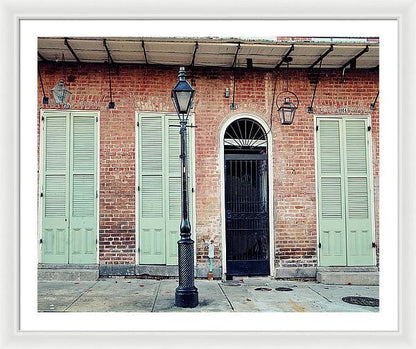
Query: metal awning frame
215, 55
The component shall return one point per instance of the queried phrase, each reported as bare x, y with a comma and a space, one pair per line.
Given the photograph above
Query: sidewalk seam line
157, 294
80, 296
229, 302
319, 294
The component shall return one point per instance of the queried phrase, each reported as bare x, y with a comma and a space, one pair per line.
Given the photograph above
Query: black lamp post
186, 294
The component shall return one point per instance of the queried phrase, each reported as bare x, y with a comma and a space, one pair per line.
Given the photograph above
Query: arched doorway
246, 198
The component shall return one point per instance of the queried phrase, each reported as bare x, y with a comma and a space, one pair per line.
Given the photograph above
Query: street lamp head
182, 96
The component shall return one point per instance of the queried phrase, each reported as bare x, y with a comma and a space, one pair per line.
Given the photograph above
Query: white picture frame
12, 15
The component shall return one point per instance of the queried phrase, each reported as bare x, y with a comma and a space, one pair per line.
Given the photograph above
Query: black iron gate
247, 214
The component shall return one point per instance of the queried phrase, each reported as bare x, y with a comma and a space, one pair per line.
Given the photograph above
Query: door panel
358, 203
331, 195
152, 211
83, 219
55, 210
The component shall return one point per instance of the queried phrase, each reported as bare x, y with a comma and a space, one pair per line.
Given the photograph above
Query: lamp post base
186, 297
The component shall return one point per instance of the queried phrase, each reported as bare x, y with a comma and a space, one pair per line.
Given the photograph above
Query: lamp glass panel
183, 98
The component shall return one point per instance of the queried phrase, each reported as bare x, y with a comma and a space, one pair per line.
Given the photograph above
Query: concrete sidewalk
147, 295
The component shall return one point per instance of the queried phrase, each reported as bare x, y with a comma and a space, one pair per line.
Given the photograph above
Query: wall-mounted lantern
61, 94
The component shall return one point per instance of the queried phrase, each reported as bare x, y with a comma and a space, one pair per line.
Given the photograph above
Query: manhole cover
364, 301
262, 289
283, 289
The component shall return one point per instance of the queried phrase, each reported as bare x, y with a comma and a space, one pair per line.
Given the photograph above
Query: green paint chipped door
69, 189
160, 187
344, 192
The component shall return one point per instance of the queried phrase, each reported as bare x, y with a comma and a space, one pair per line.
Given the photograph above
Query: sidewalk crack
89, 288
157, 294
229, 302
319, 294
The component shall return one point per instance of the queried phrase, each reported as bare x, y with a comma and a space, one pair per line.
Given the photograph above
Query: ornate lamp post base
186, 297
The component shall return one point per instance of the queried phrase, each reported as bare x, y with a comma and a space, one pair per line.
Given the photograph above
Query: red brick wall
148, 89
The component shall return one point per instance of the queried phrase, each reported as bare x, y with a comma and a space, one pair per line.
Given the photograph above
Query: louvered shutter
358, 198
331, 193
55, 189
83, 207
152, 190
173, 217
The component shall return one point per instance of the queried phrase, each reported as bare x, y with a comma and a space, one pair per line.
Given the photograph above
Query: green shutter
151, 203
160, 188
173, 218
83, 218
69, 188
331, 195
344, 182
358, 200
55, 189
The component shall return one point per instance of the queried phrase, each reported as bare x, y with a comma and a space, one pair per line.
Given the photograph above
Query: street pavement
245, 295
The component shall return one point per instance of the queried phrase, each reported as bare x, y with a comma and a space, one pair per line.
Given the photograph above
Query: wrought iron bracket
144, 52
66, 42
352, 63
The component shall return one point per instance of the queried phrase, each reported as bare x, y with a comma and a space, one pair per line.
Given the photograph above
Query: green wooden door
160, 188
152, 191
331, 193
83, 191
69, 203
344, 200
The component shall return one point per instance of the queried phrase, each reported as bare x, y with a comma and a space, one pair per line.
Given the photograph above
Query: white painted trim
190, 138
371, 174
266, 127
96, 113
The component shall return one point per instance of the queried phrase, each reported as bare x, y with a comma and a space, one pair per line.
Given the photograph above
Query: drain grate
364, 301
262, 289
284, 289
231, 284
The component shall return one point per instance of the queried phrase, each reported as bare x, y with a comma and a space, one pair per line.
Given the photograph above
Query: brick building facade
292, 153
